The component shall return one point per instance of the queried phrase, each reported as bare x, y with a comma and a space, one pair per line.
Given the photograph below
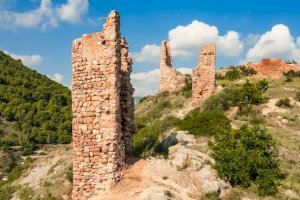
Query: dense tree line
39, 107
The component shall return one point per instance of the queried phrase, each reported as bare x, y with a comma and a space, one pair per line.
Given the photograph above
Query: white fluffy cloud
298, 42
150, 53
46, 15
147, 83
192, 36
252, 38
185, 41
56, 77
73, 10
278, 42
28, 60
230, 44
43, 16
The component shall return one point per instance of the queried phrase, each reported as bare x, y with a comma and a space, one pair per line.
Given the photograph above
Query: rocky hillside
171, 163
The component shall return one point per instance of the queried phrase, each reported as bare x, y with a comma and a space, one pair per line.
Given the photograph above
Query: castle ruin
170, 79
102, 107
272, 67
203, 76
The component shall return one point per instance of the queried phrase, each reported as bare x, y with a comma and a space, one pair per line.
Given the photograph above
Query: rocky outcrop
102, 106
170, 79
203, 76
272, 67
185, 175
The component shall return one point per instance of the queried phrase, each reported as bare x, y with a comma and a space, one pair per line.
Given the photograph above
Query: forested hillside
38, 108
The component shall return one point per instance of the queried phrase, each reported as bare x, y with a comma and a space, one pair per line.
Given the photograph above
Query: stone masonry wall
127, 101
170, 79
272, 67
102, 107
203, 76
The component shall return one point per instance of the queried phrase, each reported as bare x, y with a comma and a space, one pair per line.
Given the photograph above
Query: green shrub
245, 71
25, 193
146, 139
15, 170
297, 96
292, 74
157, 111
69, 174
284, 103
288, 79
256, 118
199, 122
27, 147
219, 76
263, 85
219, 101
233, 74
249, 94
6, 192
187, 89
246, 156
143, 99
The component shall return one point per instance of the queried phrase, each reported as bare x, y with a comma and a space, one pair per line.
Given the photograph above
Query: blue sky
40, 32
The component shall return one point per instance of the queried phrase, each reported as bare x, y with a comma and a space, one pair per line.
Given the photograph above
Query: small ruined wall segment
102, 108
203, 76
170, 79
272, 67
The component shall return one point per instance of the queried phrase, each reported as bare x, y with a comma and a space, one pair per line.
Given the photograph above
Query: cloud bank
278, 42
45, 16
185, 41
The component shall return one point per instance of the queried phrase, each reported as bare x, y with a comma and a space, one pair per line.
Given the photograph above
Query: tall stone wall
272, 67
102, 107
170, 79
127, 101
203, 76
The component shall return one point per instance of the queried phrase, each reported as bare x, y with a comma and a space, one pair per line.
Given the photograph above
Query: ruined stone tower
203, 76
102, 107
170, 79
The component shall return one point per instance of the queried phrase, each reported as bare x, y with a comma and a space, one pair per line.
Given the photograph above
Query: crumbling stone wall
127, 101
170, 79
203, 76
102, 106
272, 67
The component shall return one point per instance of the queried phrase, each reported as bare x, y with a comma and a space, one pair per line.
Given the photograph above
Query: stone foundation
102, 106
203, 76
170, 79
